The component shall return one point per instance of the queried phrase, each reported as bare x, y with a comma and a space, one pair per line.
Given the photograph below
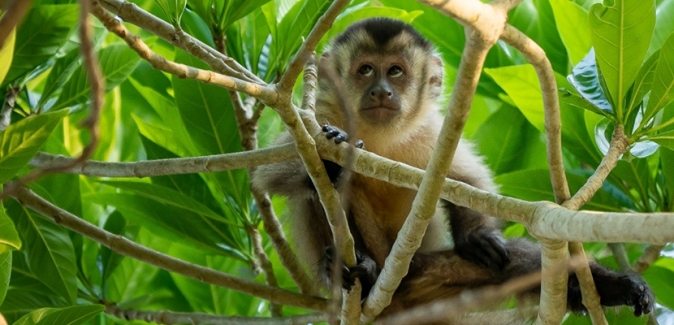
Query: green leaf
5, 272
662, 90
522, 86
60, 73
665, 139
117, 62
535, 185
642, 84
208, 117
573, 99
22, 140
519, 145
663, 25
50, 251
667, 159
570, 18
7, 54
621, 34
237, 9
586, 80
110, 261
168, 197
44, 30
9, 238
176, 224
61, 316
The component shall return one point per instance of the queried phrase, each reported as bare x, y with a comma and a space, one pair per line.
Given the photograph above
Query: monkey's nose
380, 93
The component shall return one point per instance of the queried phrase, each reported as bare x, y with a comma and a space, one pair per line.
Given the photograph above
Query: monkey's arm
475, 239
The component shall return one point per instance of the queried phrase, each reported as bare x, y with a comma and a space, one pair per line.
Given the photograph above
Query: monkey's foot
365, 270
629, 289
339, 136
485, 247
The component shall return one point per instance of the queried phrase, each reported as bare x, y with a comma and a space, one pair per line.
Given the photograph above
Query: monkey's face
382, 71
381, 79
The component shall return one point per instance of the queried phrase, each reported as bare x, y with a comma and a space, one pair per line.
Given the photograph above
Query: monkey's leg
444, 274
474, 239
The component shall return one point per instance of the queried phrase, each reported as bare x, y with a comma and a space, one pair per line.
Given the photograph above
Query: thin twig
170, 166
307, 49
157, 61
8, 107
650, 255
123, 246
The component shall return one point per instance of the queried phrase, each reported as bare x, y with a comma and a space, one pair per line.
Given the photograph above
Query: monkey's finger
492, 253
341, 137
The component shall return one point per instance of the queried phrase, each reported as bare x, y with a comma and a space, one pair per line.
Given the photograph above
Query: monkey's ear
325, 69
435, 80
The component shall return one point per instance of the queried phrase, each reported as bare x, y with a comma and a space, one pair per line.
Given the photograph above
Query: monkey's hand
615, 289
331, 132
484, 246
365, 270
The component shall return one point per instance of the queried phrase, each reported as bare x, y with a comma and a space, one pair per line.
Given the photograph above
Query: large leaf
586, 80
207, 113
662, 91
663, 24
60, 73
522, 86
535, 185
117, 61
22, 140
665, 139
237, 9
642, 84
61, 316
7, 54
44, 30
9, 238
50, 251
177, 224
519, 145
621, 34
110, 260
570, 18
5, 272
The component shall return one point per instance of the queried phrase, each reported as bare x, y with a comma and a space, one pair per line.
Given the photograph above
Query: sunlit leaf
621, 34
522, 86
570, 18
21, 140
61, 316
6, 54
44, 30
117, 61
665, 139
662, 91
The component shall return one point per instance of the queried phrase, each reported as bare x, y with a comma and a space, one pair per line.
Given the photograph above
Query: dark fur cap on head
382, 30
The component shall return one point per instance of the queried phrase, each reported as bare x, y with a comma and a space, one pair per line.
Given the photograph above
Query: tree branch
123, 246
171, 318
15, 11
157, 61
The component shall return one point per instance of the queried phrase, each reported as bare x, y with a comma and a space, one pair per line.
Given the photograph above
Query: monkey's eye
395, 71
365, 70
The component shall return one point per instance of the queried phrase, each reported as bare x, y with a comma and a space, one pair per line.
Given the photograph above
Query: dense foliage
204, 218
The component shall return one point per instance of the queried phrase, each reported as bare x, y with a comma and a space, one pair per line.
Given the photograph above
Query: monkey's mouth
379, 113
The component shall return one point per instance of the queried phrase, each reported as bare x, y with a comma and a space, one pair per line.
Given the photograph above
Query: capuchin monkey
390, 80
